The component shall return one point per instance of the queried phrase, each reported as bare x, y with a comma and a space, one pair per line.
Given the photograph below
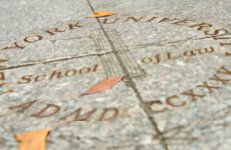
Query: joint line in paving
130, 82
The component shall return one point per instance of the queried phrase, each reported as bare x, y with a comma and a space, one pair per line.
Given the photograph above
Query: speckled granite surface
174, 55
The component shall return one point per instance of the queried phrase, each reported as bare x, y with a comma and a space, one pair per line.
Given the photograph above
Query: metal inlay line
112, 67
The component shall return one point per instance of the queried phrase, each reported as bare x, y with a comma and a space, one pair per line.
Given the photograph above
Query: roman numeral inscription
109, 61
220, 77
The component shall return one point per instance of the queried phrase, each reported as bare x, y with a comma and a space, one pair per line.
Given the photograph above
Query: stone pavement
174, 55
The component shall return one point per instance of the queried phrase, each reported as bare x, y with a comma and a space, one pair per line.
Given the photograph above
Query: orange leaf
33, 140
103, 85
102, 14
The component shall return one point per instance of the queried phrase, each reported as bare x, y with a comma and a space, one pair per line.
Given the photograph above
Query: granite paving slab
174, 57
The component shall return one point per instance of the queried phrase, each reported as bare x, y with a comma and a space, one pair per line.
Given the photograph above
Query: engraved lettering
201, 26
43, 77
148, 107
2, 76
168, 101
52, 32
23, 106
15, 46
221, 38
183, 22
9, 91
227, 54
84, 70
192, 95
78, 117
157, 59
206, 50
30, 39
102, 117
71, 26
95, 68
2, 84
205, 85
3, 60
170, 57
166, 19
41, 115
189, 53
225, 71
105, 21
57, 74
216, 32
136, 20
216, 78
151, 19
27, 78
70, 72
146, 60
222, 44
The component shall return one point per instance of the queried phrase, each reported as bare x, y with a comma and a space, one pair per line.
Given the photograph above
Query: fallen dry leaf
36, 140
33, 140
102, 14
103, 85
